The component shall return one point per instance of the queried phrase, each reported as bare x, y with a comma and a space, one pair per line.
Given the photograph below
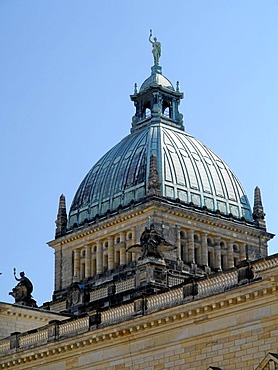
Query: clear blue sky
67, 69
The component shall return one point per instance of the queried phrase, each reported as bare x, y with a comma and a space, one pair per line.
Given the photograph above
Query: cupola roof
156, 79
158, 158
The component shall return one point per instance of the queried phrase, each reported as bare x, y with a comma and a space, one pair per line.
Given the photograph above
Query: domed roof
188, 171
156, 78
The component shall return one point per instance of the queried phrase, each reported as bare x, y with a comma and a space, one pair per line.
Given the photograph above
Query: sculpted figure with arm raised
156, 50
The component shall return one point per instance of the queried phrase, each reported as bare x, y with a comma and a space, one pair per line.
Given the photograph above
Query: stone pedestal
151, 272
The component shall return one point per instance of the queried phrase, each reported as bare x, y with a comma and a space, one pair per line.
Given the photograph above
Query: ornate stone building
160, 262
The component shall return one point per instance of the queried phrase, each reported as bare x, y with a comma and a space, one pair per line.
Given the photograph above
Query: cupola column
217, 253
93, 261
76, 265
122, 249
178, 236
242, 252
204, 249
110, 254
133, 241
87, 261
191, 258
230, 255
128, 241
99, 257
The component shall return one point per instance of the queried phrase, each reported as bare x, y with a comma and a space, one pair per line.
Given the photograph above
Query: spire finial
153, 183
156, 50
258, 210
62, 219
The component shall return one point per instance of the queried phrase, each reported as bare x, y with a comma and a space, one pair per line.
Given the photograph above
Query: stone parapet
208, 288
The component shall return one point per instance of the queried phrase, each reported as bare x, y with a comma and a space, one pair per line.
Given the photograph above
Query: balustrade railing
56, 330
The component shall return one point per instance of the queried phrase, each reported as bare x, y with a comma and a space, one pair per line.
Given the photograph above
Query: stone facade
213, 243
235, 329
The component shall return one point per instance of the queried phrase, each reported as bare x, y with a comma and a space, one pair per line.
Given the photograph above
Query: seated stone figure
152, 244
22, 292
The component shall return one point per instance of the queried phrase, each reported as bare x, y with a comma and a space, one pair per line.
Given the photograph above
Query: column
122, 249
94, 264
87, 261
110, 254
178, 238
242, 252
99, 258
133, 242
128, 254
76, 265
230, 255
191, 257
217, 254
204, 249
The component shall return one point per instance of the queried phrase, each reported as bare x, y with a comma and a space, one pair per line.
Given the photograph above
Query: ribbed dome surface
187, 169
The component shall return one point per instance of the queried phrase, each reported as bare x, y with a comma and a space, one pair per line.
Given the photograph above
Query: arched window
147, 110
166, 111
182, 235
222, 245
235, 248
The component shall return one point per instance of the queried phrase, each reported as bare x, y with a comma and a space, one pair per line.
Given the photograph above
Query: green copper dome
156, 78
188, 171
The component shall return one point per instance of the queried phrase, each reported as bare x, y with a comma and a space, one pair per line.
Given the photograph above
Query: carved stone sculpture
152, 244
22, 291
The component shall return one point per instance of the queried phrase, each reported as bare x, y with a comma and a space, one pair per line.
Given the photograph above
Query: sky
67, 69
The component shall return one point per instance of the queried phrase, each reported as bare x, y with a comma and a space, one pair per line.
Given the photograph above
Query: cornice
189, 313
217, 221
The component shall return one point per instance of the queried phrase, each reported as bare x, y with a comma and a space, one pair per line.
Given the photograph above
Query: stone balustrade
117, 314
31, 339
73, 326
5, 346
195, 290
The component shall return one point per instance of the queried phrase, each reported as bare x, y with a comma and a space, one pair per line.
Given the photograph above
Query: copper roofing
188, 170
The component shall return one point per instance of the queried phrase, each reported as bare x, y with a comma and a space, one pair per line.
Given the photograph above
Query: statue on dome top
156, 50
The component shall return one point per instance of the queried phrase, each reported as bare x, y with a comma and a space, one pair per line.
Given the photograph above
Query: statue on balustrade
22, 292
